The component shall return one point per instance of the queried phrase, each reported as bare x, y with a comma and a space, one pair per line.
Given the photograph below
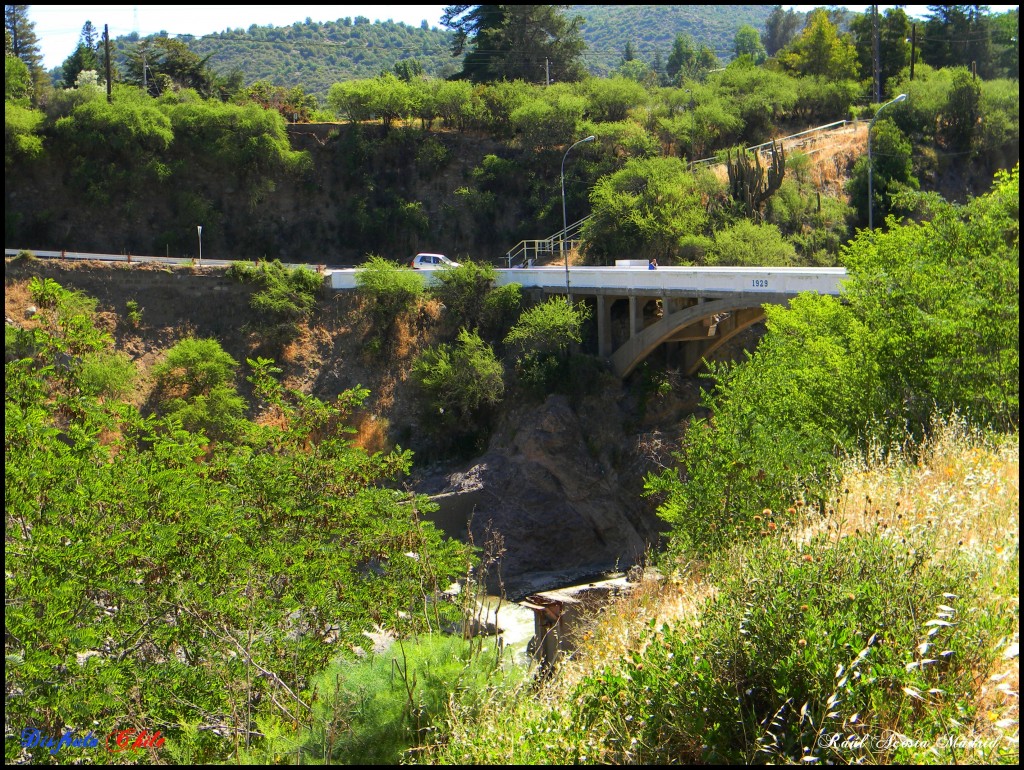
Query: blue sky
59, 26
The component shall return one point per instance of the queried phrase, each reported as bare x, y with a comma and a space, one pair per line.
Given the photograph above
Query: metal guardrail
139, 258
759, 147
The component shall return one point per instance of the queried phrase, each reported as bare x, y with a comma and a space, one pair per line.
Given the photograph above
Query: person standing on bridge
653, 264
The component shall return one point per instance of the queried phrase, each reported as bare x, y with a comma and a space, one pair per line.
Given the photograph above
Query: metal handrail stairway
528, 251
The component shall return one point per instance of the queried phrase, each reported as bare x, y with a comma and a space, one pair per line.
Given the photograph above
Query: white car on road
424, 261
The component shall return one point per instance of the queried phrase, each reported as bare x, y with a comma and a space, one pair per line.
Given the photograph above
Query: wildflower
791, 511
802, 642
804, 608
767, 512
771, 525
808, 557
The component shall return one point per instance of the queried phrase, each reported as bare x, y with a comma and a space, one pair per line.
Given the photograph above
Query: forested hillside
651, 29
313, 55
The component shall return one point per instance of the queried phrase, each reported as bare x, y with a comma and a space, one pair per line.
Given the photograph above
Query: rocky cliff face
563, 513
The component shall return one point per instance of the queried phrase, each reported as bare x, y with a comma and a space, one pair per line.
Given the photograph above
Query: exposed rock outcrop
563, 514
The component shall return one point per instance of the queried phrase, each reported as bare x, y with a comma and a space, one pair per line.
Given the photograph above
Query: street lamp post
565, 221
199, 229
871, 163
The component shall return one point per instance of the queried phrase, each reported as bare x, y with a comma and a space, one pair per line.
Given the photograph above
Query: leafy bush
928, 320
753, 245
108, 374
21, 133
378, 709
549, 327
645, 210
286, 296
390, 289
460, 378
501, 308
195, 366
893, 170
855, 639
195, 384
68, 324
463, 291
134, 313
195, 577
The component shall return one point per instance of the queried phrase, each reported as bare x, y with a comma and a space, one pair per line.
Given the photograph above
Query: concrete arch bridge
638, 309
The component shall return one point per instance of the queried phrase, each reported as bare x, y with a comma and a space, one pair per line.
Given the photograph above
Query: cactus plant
750, 183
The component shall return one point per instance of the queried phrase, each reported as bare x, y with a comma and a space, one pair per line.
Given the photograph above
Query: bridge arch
692, 324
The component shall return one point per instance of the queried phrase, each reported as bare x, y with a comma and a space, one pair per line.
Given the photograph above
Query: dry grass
831, 160
963, 494
371, 433
831, 156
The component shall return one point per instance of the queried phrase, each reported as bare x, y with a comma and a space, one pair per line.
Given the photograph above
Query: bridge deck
664, 281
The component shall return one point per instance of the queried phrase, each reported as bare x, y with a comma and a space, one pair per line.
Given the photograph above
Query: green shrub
46, 292
197, 365
375, 710
753, 245
286, 295
194, 383
134, 313
549, 327
460, 378
390, 289
217, 414
463, 291
501, 308
861, 637
18, 343
107, 373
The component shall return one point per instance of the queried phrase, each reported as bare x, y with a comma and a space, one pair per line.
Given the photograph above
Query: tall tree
21, 41
958, 35
24, 43
516, 42
748, 43
90, 36
85, 57
170, 63
894, 45
779, 29
688, 61
821, 51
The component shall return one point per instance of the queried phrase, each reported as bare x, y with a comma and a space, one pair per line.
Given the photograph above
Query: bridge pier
604, 325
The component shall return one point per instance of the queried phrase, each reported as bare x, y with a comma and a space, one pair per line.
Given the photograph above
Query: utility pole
876, 67
913, 49
106, 48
